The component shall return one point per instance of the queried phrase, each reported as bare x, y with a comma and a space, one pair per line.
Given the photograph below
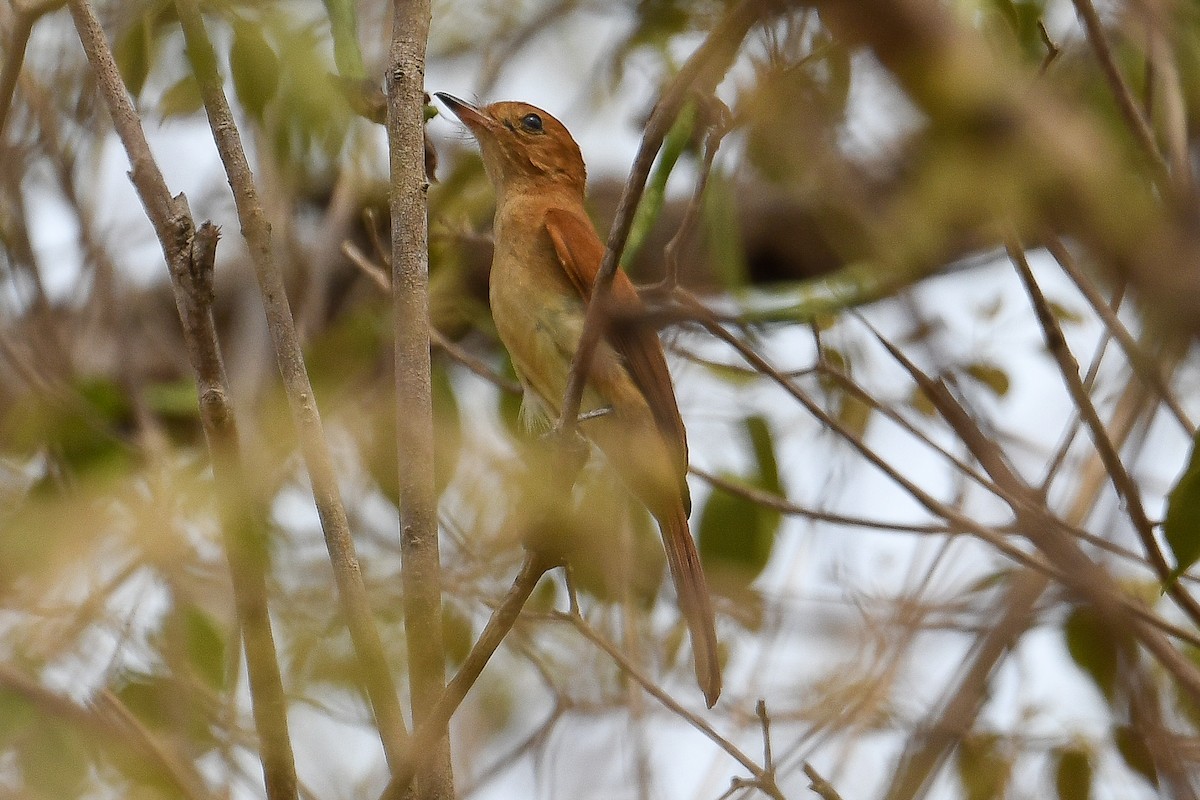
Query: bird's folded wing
580, 252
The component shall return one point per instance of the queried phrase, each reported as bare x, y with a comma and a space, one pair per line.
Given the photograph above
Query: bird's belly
541, 331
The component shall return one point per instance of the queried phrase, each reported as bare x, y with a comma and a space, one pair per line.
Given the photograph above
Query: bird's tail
694, 599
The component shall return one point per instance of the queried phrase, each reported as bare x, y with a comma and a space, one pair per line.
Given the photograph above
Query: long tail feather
694, 599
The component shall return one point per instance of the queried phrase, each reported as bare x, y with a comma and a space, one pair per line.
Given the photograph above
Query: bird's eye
532, 123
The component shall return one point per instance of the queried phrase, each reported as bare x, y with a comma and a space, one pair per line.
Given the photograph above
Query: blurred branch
946, 727
190, 254
421, 568
24, 14
111, 725
1082, 575
376, 674
1143, 363
1122, 482
819, 785
1130, 608
1068, 168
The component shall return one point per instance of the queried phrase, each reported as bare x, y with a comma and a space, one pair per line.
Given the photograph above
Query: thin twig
819, 785
762, 778
1053, 51
784, 506
952, 515
1122, 482
764, 721
712, 142
1082, 575
1144, 366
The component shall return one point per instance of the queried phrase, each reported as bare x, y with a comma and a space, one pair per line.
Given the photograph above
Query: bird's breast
537, 312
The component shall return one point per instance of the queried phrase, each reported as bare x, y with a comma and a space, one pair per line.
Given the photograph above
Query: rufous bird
547, 254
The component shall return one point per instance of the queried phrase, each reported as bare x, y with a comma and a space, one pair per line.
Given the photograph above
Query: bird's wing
580, 252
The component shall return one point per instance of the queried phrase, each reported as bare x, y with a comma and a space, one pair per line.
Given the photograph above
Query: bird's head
523, 146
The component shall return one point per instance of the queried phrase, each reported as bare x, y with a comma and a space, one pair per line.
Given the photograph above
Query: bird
546, 257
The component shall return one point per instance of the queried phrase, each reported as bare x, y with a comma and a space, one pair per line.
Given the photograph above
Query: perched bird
546, 258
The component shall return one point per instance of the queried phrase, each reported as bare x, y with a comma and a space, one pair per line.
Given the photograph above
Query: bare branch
421, 573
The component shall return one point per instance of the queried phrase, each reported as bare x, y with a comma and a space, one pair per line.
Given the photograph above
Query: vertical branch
414, 407
190, 254
352, 592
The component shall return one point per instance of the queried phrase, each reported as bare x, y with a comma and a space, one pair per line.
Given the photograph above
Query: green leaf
764, 454
656, 188
457, 634
736, 534
1182, 525
722, 232
1092, 648
544, 597
921, 403
854, 413
87, 433
1073, 775
17, 714
143, 696
990, 376
176, 399
983, 767
182, 99
205, 646
733, 375
1064, 314
254, 68
447, 426
133, 53
735, 538
1135, 753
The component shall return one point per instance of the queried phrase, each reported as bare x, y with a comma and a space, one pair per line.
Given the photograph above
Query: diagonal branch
1081, 574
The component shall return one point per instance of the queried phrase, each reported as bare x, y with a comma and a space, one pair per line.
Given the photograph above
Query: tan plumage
546, 258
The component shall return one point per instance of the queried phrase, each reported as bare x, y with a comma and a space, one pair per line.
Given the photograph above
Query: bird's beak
471, 116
